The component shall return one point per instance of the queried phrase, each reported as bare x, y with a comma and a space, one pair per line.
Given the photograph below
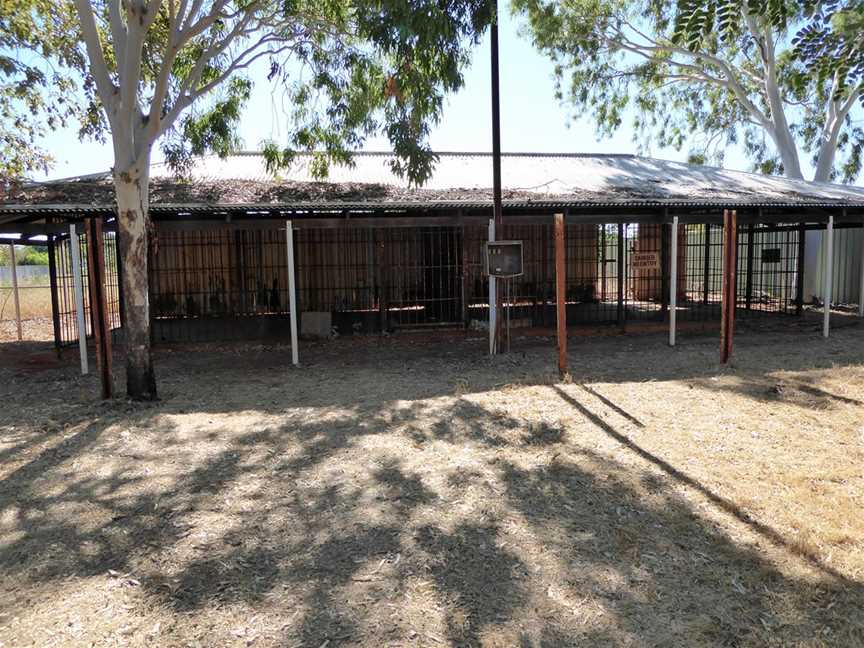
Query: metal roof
531, 182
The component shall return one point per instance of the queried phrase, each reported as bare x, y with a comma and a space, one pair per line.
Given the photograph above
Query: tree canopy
778, 77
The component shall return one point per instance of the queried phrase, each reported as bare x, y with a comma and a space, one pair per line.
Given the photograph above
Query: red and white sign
646, 261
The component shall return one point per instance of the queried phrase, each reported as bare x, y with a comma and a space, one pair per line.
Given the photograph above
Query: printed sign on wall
646, 261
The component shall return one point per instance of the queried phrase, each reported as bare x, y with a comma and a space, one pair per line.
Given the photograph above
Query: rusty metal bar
98, 305
561, 294
621, 273
55, 302
727, 324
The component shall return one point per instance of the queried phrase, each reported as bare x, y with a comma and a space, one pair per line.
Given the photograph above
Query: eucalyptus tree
178, 72
707, 74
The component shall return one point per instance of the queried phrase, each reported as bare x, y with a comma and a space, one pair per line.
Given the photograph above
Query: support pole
98, 304
861, 278
561, 294
829, 277
673, 284
493, 300
14, 269
621, 272
292, 293
78, 287
55, 305
727, 323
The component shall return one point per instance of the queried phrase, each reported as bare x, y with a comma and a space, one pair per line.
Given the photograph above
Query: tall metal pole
15, 290
497, 211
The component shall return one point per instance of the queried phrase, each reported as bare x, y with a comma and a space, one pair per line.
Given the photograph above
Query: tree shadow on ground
315, 516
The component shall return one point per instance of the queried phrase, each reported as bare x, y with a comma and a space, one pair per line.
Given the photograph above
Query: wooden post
98, 304
14, 269
561, 294
727, 323
673, 284
829, 277
292, 294
78, 286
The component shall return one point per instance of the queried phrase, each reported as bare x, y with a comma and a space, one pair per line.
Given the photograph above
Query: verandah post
861, 277
727, 322
673, 284
292, 294
98, 304
561, 294
493, 300
829, 277
78, 286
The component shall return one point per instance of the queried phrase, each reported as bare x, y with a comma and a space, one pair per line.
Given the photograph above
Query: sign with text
646, 261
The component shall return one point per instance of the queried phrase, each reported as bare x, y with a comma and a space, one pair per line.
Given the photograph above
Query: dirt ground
412, 492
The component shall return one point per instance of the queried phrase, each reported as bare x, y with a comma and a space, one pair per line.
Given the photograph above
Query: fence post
15, 290
561, 294
52, 280
74, 252
621, 275
730, 245
292, 294
673, 284
829, 277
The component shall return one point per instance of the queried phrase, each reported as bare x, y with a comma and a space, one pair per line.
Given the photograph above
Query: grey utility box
503, 259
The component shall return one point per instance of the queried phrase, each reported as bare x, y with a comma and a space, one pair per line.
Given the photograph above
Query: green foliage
25, 255
697, 75
39, 61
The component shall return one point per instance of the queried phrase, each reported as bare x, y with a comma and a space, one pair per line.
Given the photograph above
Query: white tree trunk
132, 188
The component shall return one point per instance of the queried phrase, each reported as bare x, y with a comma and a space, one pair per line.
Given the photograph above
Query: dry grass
401, 493
35, 301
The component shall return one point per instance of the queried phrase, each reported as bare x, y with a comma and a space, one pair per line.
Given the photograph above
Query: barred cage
225, 284
66, 321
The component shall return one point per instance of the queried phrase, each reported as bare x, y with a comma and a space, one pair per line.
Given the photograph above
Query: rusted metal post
55, 302
727, 322
14, 269
561, 294
98, 304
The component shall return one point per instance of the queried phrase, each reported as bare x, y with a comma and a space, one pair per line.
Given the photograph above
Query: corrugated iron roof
460, 181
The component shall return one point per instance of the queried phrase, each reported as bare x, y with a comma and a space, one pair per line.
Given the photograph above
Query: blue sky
531, 118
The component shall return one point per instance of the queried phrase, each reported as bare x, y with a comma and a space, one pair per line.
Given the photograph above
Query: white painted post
673, 283
15, 290
292, 296
78, 284
829, 276
493, 298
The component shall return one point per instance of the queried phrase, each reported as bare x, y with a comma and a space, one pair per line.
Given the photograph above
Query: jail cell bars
65, 287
